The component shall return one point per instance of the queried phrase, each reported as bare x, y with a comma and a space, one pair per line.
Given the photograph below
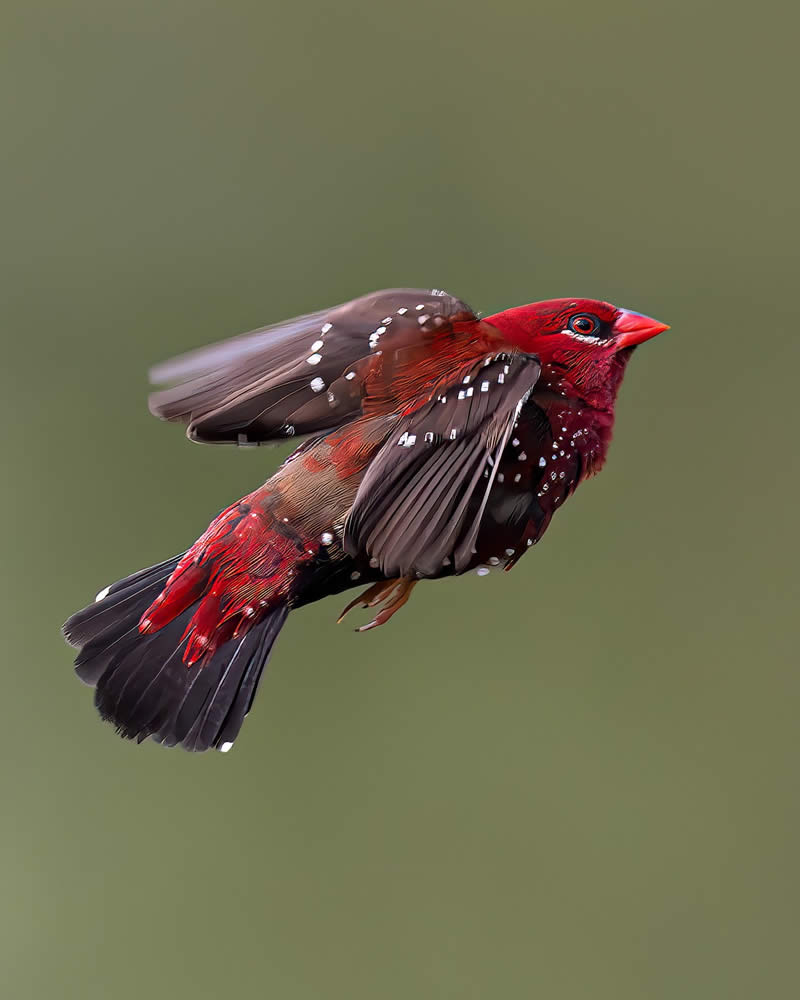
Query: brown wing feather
422, 498
302, 376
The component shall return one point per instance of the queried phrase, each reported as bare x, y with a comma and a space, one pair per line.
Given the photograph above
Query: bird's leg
399, 590
399, 595
369, 598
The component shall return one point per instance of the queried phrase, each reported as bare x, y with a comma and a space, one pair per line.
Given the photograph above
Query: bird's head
584, 341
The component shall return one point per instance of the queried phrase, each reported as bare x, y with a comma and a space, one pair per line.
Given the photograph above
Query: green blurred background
578, 780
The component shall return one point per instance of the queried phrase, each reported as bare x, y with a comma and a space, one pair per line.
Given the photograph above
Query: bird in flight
434, 443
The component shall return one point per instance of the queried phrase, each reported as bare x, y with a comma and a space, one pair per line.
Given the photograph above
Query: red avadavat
436, 443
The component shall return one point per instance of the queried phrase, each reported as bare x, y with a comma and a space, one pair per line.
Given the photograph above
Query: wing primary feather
423, 498
266, 384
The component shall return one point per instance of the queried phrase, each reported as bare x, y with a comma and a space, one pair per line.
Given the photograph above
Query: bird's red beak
632, 328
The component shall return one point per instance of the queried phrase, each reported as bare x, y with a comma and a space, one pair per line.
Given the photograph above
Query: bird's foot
395, 592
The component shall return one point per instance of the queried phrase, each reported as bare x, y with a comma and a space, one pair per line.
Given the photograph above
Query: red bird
436, 443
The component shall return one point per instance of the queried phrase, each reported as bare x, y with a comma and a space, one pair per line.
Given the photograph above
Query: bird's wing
423, 496
301, 376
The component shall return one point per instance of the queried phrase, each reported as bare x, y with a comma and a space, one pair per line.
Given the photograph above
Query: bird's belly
534, 477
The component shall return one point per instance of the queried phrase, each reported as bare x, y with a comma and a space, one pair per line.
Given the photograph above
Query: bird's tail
142, 684
175, 652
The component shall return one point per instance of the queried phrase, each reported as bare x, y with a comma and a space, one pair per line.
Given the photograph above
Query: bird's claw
395, 592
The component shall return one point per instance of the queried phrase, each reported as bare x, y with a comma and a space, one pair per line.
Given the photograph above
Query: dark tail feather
142, 684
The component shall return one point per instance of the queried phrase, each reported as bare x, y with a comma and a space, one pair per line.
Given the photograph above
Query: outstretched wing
301, 376
420, 504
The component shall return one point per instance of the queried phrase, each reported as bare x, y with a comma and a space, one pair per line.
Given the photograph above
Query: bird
432, 442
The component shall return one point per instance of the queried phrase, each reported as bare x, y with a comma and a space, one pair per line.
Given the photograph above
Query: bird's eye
585, 324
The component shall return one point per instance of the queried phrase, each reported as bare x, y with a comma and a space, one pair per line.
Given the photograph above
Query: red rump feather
242, 566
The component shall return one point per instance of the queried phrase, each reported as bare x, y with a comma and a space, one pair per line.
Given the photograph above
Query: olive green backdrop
578, 780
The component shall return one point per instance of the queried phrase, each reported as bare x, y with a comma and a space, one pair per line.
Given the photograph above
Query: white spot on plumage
317, 384
103, 594
402, 312
542, 462
484, 386
225, 747
355, 575
515, 442
317, 344
420, 307
314, 359
482, 570
501, 378
422, 320
350, 375
326, 538
522, 456
517, 477
326, 327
